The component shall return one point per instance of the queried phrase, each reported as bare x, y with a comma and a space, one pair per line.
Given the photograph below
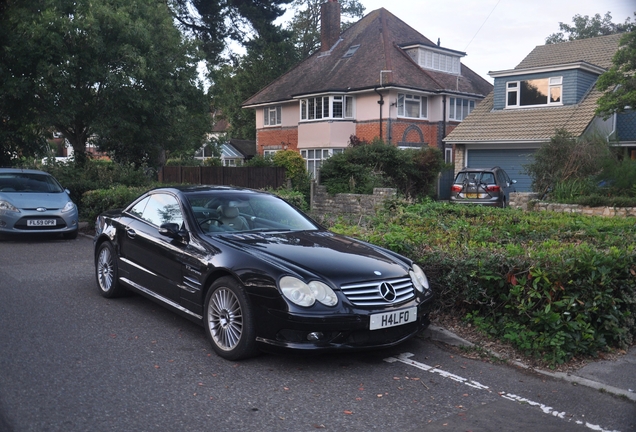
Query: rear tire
106, 272
228, 320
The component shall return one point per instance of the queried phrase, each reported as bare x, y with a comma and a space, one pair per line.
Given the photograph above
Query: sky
496, 34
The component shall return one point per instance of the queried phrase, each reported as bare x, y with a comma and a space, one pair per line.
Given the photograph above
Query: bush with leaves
554, 285
566, 158
363, 167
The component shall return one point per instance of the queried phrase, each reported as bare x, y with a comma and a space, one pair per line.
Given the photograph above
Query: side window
161, 209
138, 209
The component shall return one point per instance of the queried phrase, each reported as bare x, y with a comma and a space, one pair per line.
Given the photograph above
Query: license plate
41, 222
472, 195
392, 319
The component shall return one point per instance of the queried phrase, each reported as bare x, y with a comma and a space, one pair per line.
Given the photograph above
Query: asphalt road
71, 360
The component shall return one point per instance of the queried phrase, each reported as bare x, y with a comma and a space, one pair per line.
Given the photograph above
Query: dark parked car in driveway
33, 201
485, 186
257, 273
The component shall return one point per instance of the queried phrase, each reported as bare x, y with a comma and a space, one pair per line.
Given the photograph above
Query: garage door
512, 161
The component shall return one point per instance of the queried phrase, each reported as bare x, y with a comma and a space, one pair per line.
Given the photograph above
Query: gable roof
539, 124
379, 36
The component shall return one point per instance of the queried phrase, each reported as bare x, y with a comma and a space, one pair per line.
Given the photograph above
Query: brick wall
277, 138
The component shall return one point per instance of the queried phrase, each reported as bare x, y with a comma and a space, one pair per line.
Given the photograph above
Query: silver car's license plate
41, 222
392, 319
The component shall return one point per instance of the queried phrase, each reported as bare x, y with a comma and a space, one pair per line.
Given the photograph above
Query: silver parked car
33, 201
485, 186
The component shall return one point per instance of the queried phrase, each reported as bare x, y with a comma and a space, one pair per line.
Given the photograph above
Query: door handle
131, 233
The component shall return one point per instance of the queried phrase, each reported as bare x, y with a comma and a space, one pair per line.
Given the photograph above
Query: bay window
326, 107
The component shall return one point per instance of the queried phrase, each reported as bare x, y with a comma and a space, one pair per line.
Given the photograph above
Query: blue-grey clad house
552, 88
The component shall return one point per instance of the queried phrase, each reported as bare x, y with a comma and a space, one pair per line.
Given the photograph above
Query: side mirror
513, 181
173, 231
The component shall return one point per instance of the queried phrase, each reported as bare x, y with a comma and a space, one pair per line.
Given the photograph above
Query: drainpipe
381, 101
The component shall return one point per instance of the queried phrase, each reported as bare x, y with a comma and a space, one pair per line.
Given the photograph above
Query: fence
249, 177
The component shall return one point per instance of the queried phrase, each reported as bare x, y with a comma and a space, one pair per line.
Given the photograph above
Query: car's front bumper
17, 223
343, 332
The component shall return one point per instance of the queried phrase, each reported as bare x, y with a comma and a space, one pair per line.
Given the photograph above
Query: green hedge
97, 201
555, 285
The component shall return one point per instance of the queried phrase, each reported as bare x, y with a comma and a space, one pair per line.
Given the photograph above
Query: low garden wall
322, 203
528, 201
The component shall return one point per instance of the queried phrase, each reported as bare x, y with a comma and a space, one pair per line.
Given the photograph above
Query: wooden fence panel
250, 177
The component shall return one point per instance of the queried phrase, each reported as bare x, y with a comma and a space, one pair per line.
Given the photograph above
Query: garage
511, 160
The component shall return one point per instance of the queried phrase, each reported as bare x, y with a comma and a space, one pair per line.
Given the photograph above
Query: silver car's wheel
228, 320
106, 271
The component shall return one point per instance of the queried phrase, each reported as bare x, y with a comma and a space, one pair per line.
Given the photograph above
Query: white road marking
405, 358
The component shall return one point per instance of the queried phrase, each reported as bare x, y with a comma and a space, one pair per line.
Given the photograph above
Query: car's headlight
419, 278
68, 207
6, 205
303, 294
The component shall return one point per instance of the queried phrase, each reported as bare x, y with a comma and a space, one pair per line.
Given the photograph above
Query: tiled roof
539, 124
529, 124
597, 51
379, 35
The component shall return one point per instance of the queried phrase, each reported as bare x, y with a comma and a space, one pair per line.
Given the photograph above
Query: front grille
368, 293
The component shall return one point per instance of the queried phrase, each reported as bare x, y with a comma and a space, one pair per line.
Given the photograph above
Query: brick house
379, 78
552, 88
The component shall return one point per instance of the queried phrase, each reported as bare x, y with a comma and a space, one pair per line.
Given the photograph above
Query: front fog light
315, 336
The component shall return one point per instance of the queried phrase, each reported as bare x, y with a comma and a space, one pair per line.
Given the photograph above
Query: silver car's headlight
303, 294
6, 205
68, 207
419, 278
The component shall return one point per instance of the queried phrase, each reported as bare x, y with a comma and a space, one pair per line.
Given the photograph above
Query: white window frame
552, 84
269, 153
332, 107
403, 100
314, 158
456, 107
276, 112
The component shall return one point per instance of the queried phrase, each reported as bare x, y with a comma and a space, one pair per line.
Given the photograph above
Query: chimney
329, 24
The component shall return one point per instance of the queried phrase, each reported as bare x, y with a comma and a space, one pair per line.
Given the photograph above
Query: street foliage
555, 285
364, 166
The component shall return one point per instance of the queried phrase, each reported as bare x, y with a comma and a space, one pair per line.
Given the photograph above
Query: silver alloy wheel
225, 319
105, 269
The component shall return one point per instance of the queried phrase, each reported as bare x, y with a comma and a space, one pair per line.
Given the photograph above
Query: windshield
217, 211
29, 182
483, 177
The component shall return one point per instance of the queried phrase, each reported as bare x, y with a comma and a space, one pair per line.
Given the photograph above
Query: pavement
617, 376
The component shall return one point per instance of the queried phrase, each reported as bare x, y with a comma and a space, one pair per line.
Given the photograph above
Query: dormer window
536, 92
436, 58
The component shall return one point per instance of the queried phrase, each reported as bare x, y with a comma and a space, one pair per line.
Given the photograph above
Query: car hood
31, 200
322, 253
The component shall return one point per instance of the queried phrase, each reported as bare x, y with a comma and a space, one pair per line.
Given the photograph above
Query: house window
412, 106
536, 92
448, 155
439, 61
272, 115
326, 107
269, 153
315, 157
459, 108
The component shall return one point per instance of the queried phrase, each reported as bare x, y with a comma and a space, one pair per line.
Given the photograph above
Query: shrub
97, 201
554, 285
363, 167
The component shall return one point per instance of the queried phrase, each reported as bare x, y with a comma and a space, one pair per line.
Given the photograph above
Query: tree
268, 56
619, 82
214, 22
118, 69
586, 27
305, 25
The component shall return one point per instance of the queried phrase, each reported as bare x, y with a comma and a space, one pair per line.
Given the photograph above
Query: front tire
106, 272
228, 320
